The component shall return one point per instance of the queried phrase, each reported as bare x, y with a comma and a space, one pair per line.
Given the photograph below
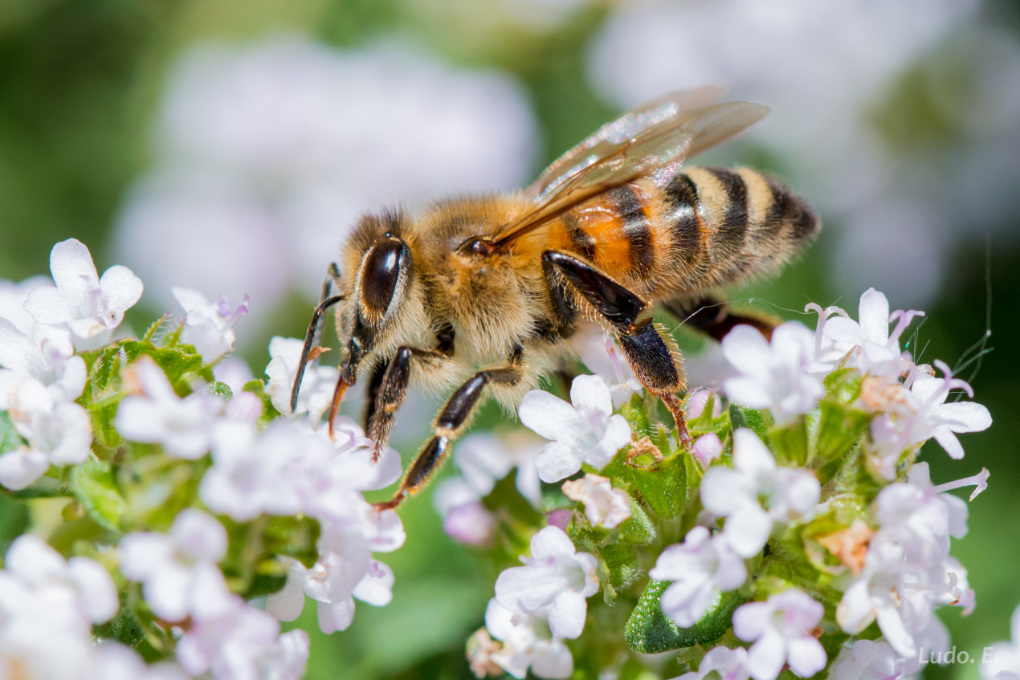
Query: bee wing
652, 140
608, 137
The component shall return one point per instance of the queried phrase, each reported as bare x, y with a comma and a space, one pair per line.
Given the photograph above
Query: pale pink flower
603, 505
781, 631
527, 644
208, 326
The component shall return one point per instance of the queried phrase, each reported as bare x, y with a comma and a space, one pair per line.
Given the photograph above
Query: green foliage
650, 631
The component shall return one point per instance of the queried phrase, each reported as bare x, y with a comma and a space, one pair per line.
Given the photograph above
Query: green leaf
790, 442
635, 412
9, 437
93, 485
840, 429
621, 560
175, 362
750, 418
650, 631
124, 627
638, 528
663, 484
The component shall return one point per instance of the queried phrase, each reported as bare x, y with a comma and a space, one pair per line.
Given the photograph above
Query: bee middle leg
449, 424
714, 318
647, 352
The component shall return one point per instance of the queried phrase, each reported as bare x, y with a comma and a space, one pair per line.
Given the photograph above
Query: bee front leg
714, 317
314, 333
648, 353
452, 420
388, 391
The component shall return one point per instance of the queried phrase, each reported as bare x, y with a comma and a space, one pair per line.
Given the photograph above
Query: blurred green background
900, 123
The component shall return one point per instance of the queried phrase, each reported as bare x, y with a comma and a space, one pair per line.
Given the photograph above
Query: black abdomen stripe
579, 238
635, 225
685, 222
729, 236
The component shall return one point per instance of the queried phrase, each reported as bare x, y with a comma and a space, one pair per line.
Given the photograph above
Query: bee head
382, 268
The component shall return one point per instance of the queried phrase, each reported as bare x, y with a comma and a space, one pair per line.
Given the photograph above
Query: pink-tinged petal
566, 618
749, 392
49, 305
748, 530
549, 416
556, 461
890, 622
551, 660
551, 542
199, 535
948, 441
287, 604
751, 620
166, 591
964, 416
34, 560
96, 590
855, 611
616, 437
721, 491
874, 316
208, 592
750, 455
143, 553
591, 392
806, 656
72, 267
336, 616
747, 350
707, 448
376, 588
766, 657
527, 589
21, 467
121, 288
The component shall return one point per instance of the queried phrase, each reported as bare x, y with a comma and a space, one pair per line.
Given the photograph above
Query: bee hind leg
450, 422
715, 318
653, 357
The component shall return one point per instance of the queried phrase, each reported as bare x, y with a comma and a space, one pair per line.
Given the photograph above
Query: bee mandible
484, 293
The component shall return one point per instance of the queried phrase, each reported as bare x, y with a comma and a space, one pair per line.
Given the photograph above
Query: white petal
287, 604
549, 416
750, 392
377, 587
551, 542
766, 656
964, 416
748, 530
566, 618
72, 267
591, 392
95, 587
21, 467
199, 535
557, 461
874, 316
747, 350
121, 288
49, 305
750, 455
337, 616
551, 660
806, 656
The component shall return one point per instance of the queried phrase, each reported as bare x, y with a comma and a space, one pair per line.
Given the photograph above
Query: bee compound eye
380, 276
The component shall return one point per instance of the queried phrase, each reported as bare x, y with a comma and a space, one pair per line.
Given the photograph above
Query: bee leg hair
450, 422
314, 333
389, 393
715, 319
648, 353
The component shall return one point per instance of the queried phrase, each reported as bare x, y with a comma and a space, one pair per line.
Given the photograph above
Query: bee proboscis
485, 292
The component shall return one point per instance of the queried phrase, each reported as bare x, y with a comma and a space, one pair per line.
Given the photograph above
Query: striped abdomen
707, 227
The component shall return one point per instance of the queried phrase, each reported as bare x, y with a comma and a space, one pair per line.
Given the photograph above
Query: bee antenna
314, 331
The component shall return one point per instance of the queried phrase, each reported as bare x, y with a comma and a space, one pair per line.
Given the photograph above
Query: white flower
317, 384
240, 642
699, 567
755, 493
183, 426
556, 577
868, 344
234, 373
89, 305
12, 301
944, 419
602, 357
57, 433
866, 660
45, 355
730, 664
483, 459
603, 505
465, 518
1003, 658
773, 376
208, 326
113, 661
38, 565
781, 630
178, 570
585, 431
527, 644
333, 582
877, 593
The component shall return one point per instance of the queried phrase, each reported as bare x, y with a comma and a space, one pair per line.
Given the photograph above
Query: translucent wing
652, 140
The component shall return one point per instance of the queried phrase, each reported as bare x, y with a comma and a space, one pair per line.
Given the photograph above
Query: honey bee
485, 292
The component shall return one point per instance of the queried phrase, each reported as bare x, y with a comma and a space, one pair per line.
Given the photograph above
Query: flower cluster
799, 530
203, 497
803, 496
